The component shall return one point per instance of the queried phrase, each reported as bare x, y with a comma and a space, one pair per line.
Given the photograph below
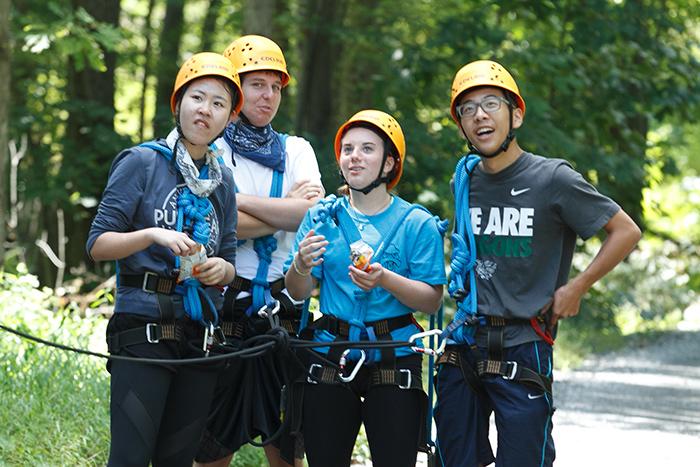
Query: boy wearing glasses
525, 212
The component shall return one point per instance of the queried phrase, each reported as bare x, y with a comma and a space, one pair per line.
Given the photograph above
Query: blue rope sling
192, 211
463, 259
264, 247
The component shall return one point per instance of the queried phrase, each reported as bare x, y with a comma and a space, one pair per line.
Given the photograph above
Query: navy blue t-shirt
142, 192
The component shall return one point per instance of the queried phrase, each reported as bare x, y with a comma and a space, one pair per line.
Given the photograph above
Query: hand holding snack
190, 262
361, 255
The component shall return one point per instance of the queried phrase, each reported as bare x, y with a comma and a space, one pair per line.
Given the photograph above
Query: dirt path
639, 407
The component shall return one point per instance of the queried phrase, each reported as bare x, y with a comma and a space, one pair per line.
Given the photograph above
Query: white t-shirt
255, 179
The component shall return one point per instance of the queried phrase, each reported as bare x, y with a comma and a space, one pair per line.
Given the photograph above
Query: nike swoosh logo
530, 396
514, 192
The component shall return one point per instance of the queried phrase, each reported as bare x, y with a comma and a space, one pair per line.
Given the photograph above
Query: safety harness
266, 298
462, 288
331, 214
191, 213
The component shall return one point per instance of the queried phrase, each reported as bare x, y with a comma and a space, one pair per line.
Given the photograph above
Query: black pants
392, 416
247, 397
158, 412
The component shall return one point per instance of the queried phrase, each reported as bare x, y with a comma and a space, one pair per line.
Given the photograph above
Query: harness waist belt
508, 370
149, 282
241, 284
401, 377
501, 321
381, 327
237, 327
152, 333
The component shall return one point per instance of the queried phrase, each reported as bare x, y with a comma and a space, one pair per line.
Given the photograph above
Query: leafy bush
54, 405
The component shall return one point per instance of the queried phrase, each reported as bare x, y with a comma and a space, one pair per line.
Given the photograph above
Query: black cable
276, 337
243, 353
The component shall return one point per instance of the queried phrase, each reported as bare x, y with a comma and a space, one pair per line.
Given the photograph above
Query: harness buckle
144, 285
459, 294
513, 371
311, 378
407, 372
150, 333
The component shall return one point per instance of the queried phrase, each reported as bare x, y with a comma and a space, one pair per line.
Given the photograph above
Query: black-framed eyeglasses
488, 104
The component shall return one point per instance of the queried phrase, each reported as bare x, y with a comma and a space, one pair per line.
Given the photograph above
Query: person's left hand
366, 280
211, 272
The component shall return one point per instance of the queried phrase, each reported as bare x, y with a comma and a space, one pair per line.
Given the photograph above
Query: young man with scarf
277, 180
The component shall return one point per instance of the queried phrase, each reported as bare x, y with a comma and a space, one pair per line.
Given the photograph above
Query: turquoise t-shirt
415, 252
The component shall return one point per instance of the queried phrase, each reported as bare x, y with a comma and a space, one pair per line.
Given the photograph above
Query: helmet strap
377, 181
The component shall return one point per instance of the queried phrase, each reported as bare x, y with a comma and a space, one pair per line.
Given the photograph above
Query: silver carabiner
271, 315
358, 365
420, 335
208, 338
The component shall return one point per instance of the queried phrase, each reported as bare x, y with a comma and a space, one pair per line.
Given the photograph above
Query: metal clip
310, 378
407, 372
441, 348
208, 338
511, 376
150, 333
144, 285
272, 314
358, 365
420, 335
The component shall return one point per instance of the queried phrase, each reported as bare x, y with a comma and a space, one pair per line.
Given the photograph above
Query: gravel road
638, 407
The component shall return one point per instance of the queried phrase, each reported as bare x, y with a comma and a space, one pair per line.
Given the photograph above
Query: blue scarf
259, 144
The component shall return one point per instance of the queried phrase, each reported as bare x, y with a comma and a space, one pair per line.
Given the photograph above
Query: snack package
189, 263
361, 255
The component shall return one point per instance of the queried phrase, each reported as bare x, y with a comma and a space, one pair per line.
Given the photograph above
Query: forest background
611, 85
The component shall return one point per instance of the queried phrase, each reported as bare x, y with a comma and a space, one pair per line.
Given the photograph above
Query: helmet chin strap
504, 145
377, 181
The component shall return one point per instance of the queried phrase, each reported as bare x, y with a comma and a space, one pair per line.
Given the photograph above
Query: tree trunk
321, 49
90, 141
209, 26
168, 65
147, 32
5, 54
259, 18
91, 98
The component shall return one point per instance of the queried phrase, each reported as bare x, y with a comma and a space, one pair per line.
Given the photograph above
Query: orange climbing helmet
483, 73
387, 125
257, 53
206, 64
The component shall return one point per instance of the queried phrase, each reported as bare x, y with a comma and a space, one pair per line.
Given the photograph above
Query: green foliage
55, 405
